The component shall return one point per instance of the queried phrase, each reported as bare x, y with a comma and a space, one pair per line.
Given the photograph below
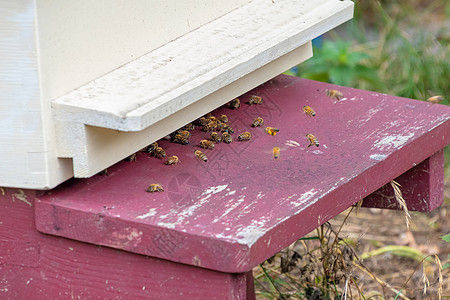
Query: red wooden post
422, 187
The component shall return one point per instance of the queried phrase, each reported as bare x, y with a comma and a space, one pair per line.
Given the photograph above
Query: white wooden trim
181, 72
92, 146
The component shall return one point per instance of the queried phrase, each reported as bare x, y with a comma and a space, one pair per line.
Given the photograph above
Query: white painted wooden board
27, 141
80, 40
166, 80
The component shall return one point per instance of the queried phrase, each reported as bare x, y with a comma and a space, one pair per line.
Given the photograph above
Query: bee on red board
151, 148
172, 160
258, 122
159, 152
312, 140
271, 130
223, 119
246, 136
227, 138
309, 111
233, 104
200, 155
215, 137
155, 187
205, 144
255, 100
132, 157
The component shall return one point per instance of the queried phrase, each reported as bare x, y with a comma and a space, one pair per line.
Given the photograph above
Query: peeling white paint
317, 152
251, 233
167, 225
378, 157
292, 143
151, 213
304, 198
260, 195
396, 141
215, 189
231, 208
230, 193
325, 146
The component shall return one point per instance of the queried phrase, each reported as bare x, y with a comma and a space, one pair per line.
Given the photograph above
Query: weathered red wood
39, 266
242, 206
422, 187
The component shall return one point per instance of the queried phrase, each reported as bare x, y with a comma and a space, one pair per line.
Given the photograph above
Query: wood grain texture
94, 148
39, 266
422, 187
242, 206
28, 148
177, 74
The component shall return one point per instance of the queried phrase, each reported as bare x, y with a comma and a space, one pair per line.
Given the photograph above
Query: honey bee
155, 187
255, 100
276, 152
246, 136
188, 127
202, 121
180, 139
212, 118
205, 144
151, 148
215, 137
223, 119
309, 111
209, 127
226, 137
435, 99
334, 94
159, 152
234, 104
258, 122
200, 155
104, 172
227, 128
271, 130
173, 160
312, 140
132, 157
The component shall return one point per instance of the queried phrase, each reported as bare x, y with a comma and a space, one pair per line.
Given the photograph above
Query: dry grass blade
401, 201
426, 282
441, 280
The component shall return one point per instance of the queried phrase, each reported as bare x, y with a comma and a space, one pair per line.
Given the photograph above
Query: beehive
86, 83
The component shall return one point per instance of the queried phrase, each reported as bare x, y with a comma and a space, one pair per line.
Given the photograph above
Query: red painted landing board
240, 207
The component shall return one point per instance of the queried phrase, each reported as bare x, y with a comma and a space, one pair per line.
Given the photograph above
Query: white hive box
83, 84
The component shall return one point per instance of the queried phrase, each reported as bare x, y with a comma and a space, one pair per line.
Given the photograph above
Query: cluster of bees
220, 130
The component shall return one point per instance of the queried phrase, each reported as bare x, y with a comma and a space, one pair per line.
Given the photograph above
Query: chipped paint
396, 141
21, 197
292, 143
304, 198
151, 213
166, 225
317, 152
231, 208
378, 157
125, 237
230, 193
251, 233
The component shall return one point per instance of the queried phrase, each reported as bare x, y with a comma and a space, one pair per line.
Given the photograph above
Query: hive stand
106, 237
